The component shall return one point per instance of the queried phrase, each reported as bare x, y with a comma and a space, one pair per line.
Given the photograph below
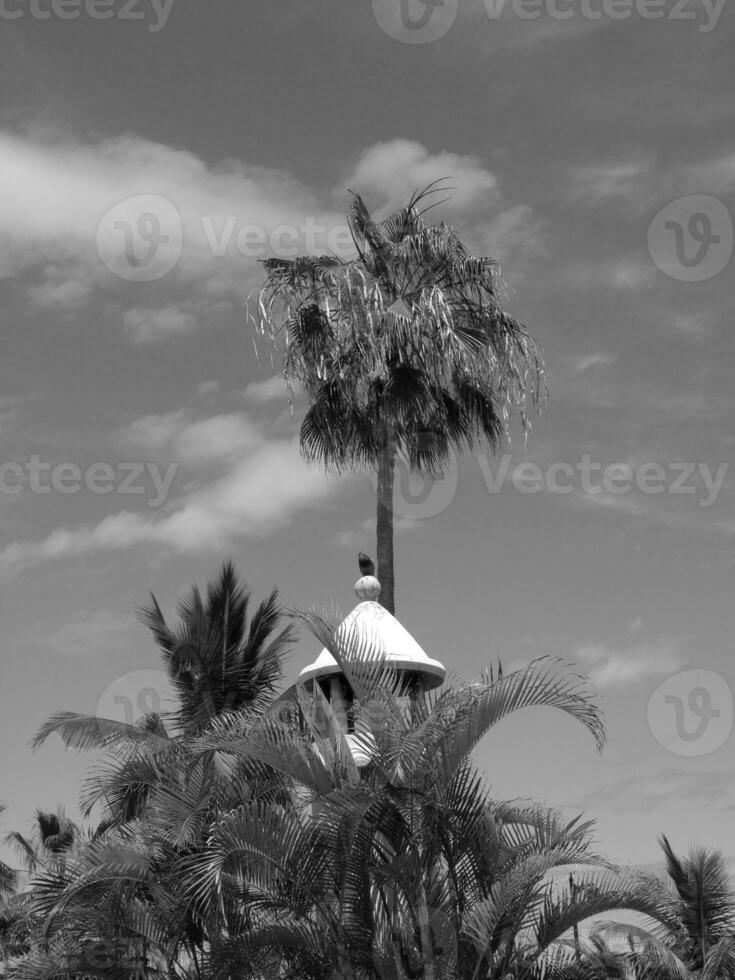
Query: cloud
606, 183
624, 274
619, 666
243, 481
216, 438
262, 392
207, 388
689, 405
714, 176
265, 490
87, 632
85, 219
192, 442
60, 295
144, 325
154, 433
600, 359
494, 29
657, 790
503, 233
388, 173
692, 326
75, 204
622, 503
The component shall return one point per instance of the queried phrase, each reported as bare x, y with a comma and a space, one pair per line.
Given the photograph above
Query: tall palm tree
404, 353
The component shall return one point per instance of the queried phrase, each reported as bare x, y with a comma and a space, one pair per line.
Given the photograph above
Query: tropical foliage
218, 660
251, 833
694, 934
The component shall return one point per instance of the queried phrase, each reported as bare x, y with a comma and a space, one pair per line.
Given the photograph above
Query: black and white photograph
367, 471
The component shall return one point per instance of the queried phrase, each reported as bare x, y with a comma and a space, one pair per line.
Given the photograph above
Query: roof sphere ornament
367, 588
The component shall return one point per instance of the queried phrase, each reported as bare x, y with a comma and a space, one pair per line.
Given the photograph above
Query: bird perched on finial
367, 565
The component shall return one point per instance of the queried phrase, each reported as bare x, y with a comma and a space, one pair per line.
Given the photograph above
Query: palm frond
85, 732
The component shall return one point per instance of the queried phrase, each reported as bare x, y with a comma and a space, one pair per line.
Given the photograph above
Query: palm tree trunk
573, 892
386, 474
703, 943
427, 943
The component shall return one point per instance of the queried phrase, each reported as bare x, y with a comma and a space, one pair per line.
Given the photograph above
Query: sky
152, 152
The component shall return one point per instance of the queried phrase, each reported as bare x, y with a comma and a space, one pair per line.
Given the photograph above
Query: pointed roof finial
373, 629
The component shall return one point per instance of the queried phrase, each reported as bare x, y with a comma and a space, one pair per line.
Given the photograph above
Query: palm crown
216, 660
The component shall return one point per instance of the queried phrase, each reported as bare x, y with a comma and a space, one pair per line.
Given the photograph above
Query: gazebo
382, 637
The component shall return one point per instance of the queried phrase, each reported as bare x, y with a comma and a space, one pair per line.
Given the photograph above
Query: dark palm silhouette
216, 660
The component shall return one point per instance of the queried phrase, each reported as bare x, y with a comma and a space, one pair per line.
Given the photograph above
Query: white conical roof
379, 631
